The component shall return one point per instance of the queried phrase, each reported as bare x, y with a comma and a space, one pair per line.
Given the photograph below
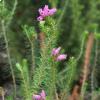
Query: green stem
53, 81
27, 95
32, 51
12, 13
33, 59
81, 48
62, 14
9, 58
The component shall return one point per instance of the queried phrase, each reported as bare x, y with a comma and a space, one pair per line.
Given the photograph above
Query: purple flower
46, 8
41, 96
61, 57
41, 12
52, 11
36, 97
56, 54
56, 51
40, 18
45, 12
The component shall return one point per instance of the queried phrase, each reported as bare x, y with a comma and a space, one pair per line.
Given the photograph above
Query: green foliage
43, 74
53, 3
71, 25
6, 13
9, 98
30, 32
83, 91
25, 80
67, 77
5, 19
46, 75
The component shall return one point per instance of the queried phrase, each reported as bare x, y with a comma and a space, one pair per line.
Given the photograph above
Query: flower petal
61, 57
55, 51
43, 95
36, 97
40, 18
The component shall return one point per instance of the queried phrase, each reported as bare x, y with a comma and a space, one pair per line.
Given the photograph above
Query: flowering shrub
46, 71
45, 12
42, 72
44, 68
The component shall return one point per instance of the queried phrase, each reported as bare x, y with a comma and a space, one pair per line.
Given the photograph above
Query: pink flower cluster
41, 96
45, 12
59, 57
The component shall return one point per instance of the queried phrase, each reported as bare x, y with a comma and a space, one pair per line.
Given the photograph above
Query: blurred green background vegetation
73, 18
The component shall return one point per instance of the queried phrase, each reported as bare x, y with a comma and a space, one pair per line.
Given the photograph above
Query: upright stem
53, 81
81, 48
8, 54
32, 52
4, 26
94, 70
33, 59
87, 62
12, 13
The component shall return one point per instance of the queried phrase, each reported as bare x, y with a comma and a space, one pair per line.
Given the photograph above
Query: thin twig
12, 13
9, 58
32, 51
81, 48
